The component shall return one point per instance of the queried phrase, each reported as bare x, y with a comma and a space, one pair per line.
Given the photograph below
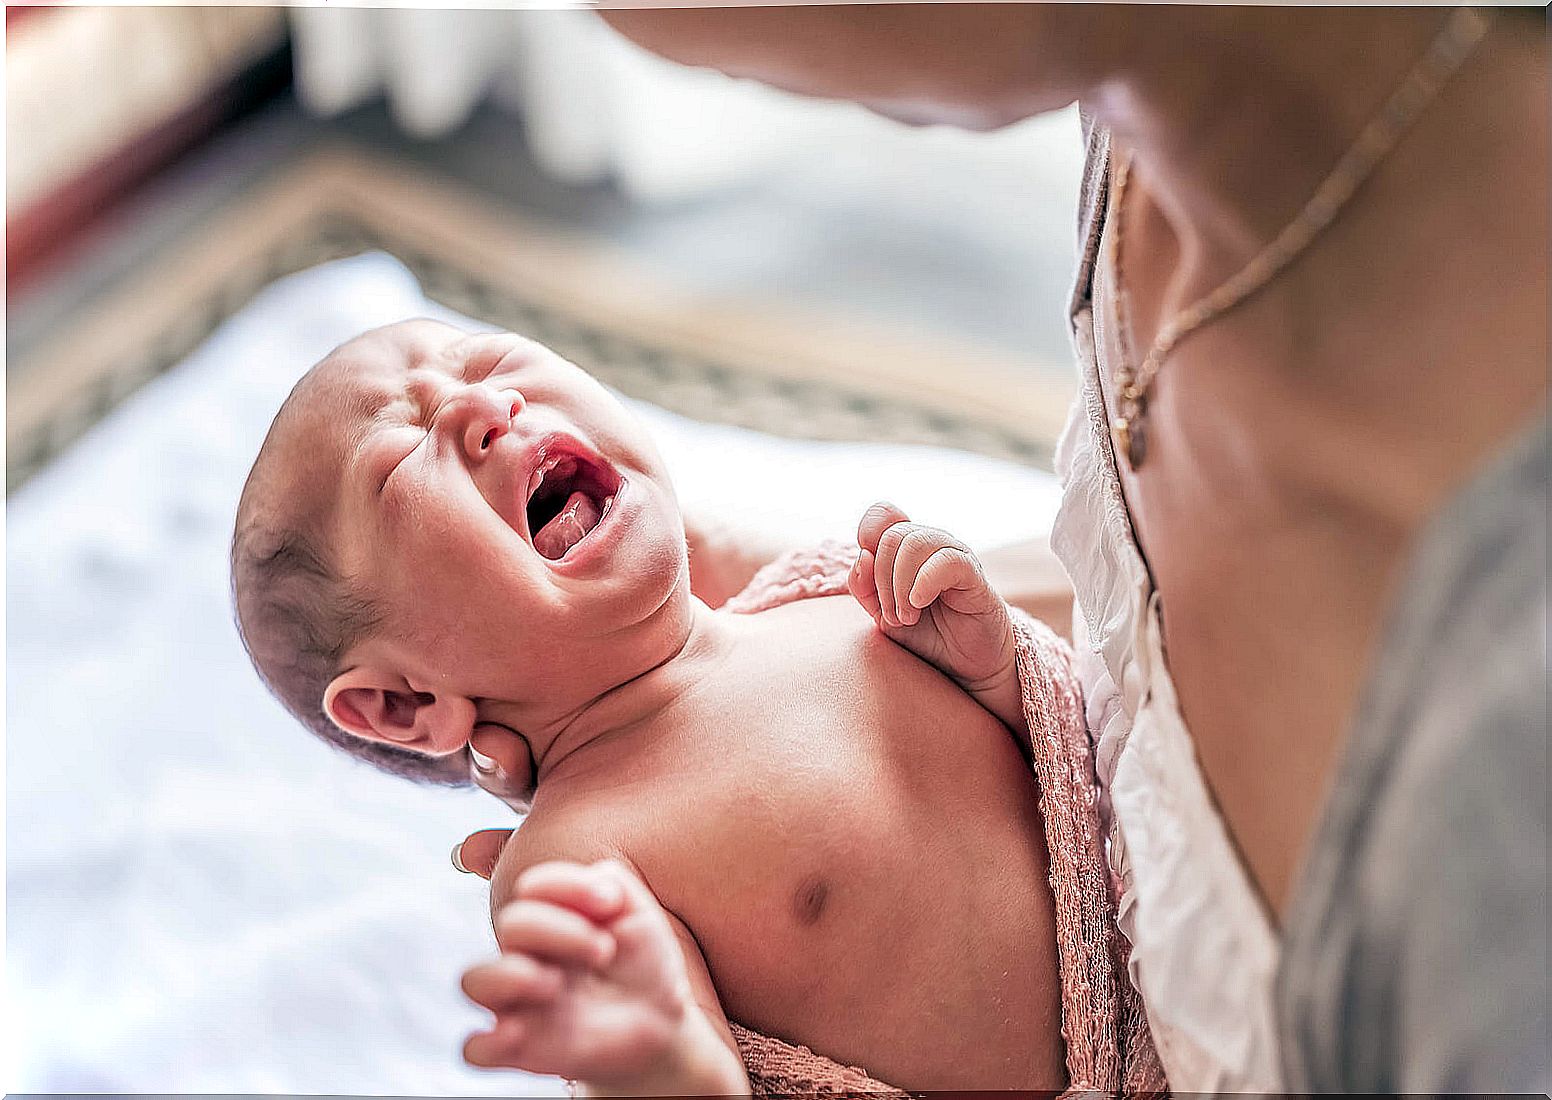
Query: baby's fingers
590, 889
500, 1047
876, 520
886, 571
553, 934
863, 588
512, 982
948, 567
918, 547
478, 853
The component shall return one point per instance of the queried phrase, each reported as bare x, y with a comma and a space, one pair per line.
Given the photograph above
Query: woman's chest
1270, 597
1267, 631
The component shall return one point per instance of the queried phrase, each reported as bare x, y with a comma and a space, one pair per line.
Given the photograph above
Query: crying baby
808, 816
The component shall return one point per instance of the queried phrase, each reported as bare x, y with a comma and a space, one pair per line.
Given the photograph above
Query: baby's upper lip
539, 452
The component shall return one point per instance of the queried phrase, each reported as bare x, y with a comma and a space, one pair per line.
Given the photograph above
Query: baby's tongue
576, 519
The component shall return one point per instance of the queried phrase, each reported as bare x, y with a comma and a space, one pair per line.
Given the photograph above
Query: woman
1305, 495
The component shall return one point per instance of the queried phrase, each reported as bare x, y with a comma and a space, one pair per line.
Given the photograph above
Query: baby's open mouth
568, 496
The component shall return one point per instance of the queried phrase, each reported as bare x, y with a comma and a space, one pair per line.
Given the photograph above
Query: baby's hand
592, 985
925, 590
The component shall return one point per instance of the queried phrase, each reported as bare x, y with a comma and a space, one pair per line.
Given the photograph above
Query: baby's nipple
571, 526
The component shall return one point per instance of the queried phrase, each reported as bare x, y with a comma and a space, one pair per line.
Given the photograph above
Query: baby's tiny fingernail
458, 859
481, 761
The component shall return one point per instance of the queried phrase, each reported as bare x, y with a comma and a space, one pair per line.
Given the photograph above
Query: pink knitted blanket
1106, 1035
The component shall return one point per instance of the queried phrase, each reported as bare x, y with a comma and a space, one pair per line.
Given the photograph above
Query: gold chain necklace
1461, 33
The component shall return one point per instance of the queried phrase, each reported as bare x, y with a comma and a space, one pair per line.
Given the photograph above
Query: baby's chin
630, 607
642, 554
654, 583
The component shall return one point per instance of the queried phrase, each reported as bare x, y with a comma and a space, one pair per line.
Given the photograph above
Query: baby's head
445, 529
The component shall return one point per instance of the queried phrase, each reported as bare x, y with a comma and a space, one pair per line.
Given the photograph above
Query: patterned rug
805, 375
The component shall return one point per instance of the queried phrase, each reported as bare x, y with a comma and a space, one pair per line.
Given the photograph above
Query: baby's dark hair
298, 617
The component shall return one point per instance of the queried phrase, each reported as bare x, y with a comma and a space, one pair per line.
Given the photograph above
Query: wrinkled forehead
357, 378
332, 407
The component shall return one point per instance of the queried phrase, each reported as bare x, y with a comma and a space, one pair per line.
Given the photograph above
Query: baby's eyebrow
363, 408
360, 409
365, 405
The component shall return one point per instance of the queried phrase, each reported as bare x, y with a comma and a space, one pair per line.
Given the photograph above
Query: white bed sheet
202, 898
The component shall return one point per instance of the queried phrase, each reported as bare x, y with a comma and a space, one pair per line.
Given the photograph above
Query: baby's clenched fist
925, 590
592, 984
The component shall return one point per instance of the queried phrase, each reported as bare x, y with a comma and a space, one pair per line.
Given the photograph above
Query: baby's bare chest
828, 841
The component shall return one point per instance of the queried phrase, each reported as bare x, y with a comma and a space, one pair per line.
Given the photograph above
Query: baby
814, 820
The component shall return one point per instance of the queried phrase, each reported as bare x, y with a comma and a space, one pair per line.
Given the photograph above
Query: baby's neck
643, 699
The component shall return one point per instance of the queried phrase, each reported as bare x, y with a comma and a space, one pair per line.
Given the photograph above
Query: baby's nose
484, 415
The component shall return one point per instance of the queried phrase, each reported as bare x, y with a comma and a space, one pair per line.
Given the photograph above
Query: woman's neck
1384, 312
1235, 115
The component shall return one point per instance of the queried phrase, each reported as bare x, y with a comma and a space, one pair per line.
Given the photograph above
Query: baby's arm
597, 982
926, 590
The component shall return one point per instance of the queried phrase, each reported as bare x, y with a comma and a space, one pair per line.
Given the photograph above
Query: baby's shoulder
559, 830
634, 833
789, 649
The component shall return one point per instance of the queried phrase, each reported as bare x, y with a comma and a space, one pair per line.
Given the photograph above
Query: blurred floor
895, 228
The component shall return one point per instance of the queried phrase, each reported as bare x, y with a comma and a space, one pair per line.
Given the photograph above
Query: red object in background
48, 227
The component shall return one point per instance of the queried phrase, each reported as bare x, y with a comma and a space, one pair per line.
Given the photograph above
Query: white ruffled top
1203, 951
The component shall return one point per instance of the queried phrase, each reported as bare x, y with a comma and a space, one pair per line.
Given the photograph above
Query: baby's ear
379, 705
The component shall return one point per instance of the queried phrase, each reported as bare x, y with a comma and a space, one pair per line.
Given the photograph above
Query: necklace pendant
1121, 434
1130, 441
